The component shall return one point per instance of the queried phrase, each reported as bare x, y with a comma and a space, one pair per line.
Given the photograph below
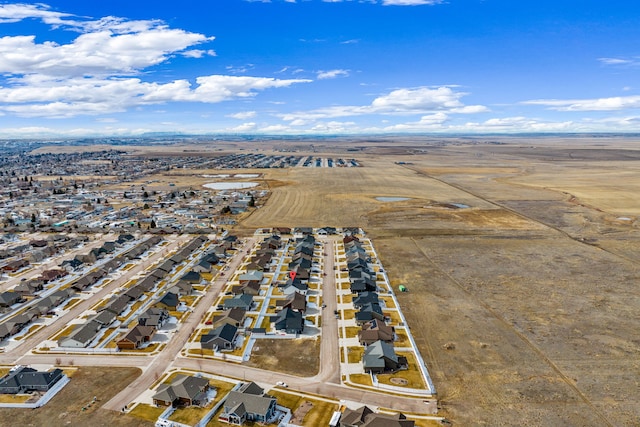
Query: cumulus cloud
400, 101
96, 72
332, 74
243, 115
245, 127
39, 96
595, 104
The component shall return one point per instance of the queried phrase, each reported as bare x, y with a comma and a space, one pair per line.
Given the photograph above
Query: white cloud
411, 2
94, 73
620, 61
400, 101
245, 127
332, 74
243, 115
96, 53
595, 104
198, 53
38, 96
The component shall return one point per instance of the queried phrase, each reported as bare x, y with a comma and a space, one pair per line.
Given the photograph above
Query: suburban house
184, 390
153, 317
234, 317
13, 326
137, 336
7, 299
289, 321
244, 301
221, 338
251, 287
251, 275
192, 277
26, 380
365, 417
169, 302
295, 301
369, 312
380, 357
376, 330
364, 298
81, 336
248, 403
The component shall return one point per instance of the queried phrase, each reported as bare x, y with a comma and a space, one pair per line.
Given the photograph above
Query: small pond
230, 185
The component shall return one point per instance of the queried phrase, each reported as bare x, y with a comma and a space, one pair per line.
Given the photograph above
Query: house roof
225, 332
288, 319
295, 301
170, 299
352, 417
28, 378
138, 332
376, 353
183, 386
252, 397
236, 314
104, 318
364, 298
242, 300
84, 334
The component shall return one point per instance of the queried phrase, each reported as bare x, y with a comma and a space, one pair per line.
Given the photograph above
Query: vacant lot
297, 357
65, 409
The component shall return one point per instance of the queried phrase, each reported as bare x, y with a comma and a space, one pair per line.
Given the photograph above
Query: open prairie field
521, 261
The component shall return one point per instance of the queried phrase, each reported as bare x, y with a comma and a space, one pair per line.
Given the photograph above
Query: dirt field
297, 357
65, 409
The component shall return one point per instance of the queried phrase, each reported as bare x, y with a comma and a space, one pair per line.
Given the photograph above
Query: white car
282, 384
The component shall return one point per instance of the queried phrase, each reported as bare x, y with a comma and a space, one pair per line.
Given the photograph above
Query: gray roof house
81, 337
221, 338
24, 380
153, 317
289, 321
184, 390
243, 301
248, 403
381, 357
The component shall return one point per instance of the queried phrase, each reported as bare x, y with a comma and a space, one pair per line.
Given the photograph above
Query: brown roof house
234, 317
136, 337
184, 390
295, 301
376, 330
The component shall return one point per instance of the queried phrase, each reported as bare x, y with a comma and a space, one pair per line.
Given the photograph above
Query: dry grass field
533, 287
65, 409
525, 304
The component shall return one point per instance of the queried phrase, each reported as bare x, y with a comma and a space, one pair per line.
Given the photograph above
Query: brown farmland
533, 288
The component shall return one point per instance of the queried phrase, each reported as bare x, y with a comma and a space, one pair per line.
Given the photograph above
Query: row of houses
83, 335
377, 337
42, 307
151, 320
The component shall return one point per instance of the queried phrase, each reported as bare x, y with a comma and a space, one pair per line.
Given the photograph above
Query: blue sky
121, 68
